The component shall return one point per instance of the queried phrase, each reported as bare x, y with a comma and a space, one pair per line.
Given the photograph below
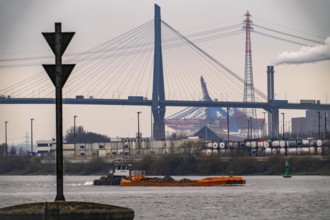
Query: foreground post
59, 73
61, 209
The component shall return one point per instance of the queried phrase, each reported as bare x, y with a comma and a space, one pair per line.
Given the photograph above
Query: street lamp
248, 128
6, 147
138, 134
251, 127
31, 135
283, 124
264, 125
325, 125
319, 117
74, 133
228, 125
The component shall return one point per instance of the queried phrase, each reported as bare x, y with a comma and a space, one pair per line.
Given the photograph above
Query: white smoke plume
307, 54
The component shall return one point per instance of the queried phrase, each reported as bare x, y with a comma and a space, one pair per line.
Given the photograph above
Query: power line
290, 35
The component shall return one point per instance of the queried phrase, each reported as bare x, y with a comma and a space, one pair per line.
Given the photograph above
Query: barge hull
211, 181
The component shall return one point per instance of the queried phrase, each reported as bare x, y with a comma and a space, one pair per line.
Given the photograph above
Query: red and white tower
248, 75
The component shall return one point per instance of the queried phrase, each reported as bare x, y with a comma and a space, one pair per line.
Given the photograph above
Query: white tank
298, 150
222, 145
311, 142
235, 145
266, 144
274, 151
292, 150
319, 143
282, 151
319, 150
305, 150
268, 151
312, 150
305, 142
208, 152
253, 144
214, 151
215, 145
248, 144
209, 145
260, 144
275, 143
291, 143
282, 143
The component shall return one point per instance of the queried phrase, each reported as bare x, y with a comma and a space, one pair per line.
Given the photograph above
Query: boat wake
88, 183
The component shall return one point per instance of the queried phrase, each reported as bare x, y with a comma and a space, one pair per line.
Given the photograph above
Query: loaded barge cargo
138, 178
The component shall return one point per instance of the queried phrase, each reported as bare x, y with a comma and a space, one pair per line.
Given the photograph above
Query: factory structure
117, 147
314, 124
130, 148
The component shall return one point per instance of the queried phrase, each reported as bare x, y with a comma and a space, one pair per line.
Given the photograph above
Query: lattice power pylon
248, 74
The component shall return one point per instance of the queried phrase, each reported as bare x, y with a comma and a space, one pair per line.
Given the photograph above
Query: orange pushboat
138, 178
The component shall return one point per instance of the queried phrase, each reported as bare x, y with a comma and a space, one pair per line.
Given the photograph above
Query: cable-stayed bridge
159, 66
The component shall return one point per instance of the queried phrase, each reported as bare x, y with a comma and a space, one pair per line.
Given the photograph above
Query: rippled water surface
264, 197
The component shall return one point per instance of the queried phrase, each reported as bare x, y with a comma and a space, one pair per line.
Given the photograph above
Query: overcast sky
96, 21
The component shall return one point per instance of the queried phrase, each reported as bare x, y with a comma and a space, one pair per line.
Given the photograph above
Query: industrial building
314, 124
116, 148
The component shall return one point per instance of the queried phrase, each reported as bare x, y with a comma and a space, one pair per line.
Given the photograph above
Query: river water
264, 197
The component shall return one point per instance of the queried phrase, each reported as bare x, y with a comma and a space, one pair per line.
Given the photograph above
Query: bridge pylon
158, 92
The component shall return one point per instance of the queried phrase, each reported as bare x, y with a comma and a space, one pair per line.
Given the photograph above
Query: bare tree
2, 150
21, 152
83, 136
13, 151
191, 149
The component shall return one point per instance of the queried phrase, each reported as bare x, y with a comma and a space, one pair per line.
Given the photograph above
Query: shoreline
174, 165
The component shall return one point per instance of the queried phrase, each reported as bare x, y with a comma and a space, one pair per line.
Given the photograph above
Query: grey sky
21, 24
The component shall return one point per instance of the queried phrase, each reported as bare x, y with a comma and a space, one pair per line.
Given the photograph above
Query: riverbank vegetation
173, 164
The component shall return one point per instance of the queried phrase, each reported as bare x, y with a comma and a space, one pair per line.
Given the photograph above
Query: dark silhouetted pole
74, 133
248, 131
6, 147
251, 130
59, 74
228, 124
138, 135
319, 117
325, 125
283, 124
32, 136
264, 125
206, 112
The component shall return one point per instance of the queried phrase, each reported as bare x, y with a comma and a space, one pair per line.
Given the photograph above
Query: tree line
80, 135
12, 151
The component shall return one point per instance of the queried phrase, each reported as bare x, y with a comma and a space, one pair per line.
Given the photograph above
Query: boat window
138, 173
119, 167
